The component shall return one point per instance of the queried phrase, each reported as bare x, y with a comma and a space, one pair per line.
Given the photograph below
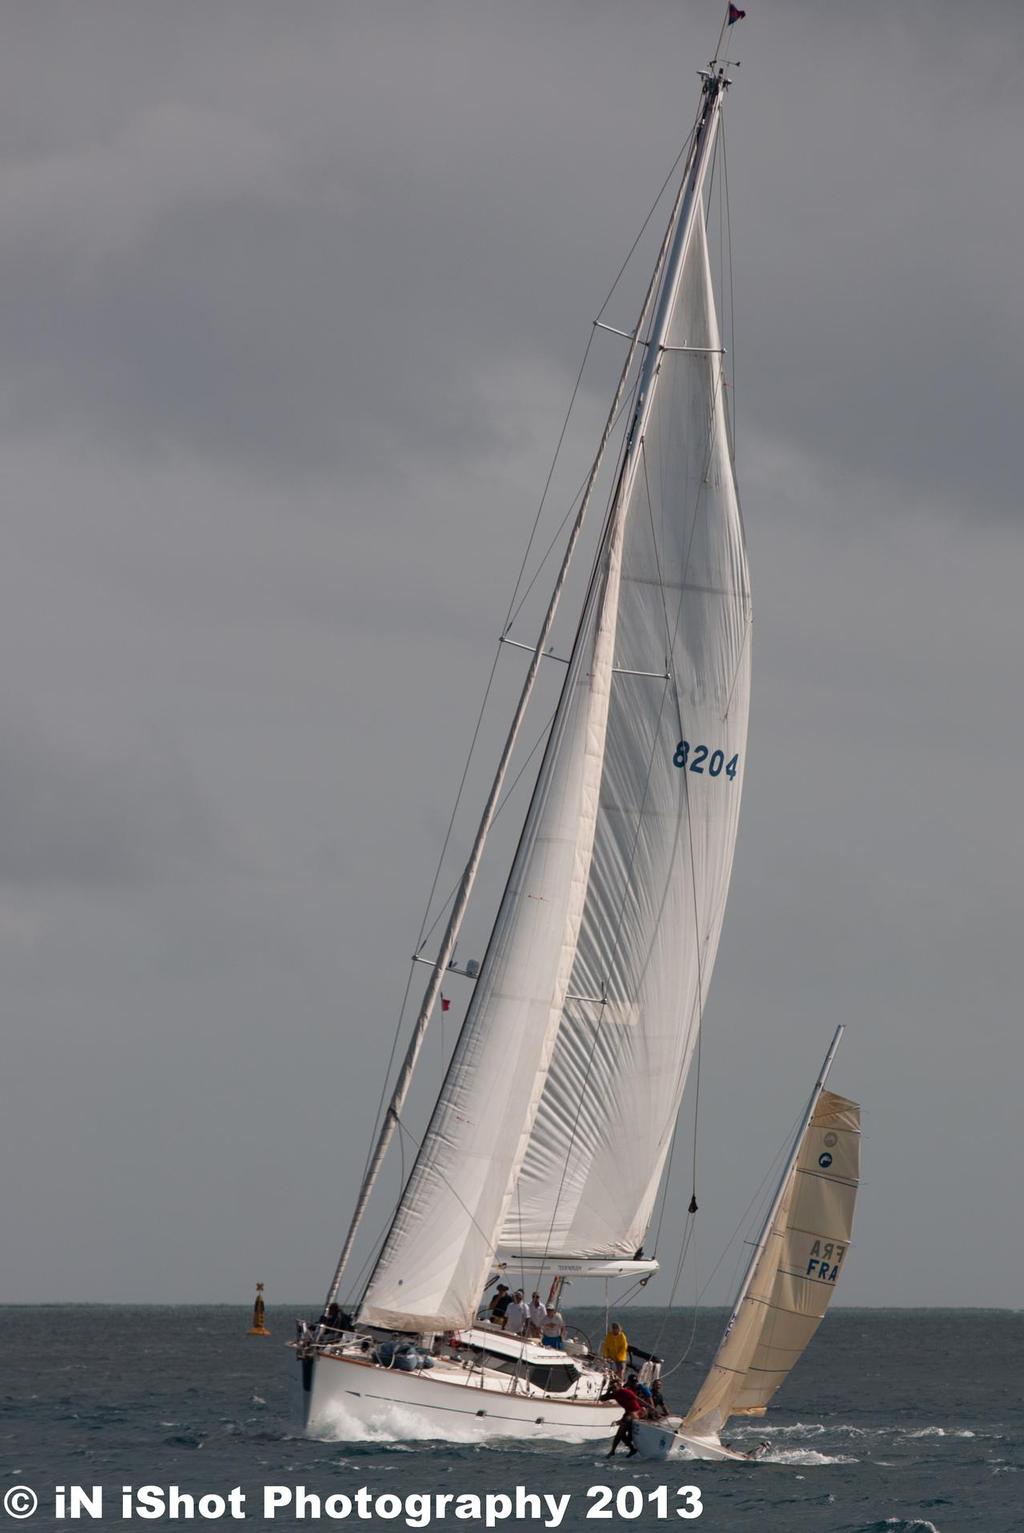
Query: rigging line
458, 797
628, 403
665, 1186
510, 616
696, 1081
686, 791
731, 420
696, 922
547, 482
654, 208
401, 1157
387, 1073
709, 190
689, 1234
695, 1310
754, 1201
501, 805
657, 556
426, 913
646, 319
748, 625
522, 1253
417, 1146
700, 967
721, 225
371, 1257
718, 45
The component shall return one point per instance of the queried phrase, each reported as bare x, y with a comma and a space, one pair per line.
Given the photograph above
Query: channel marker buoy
259, 1314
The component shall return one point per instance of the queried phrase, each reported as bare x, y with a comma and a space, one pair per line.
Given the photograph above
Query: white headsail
434, 1262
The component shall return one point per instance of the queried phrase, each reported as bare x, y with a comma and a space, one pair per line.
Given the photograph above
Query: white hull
662, 1440
348, 1400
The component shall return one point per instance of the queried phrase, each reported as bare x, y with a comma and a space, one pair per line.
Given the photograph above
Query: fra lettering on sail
825, 1260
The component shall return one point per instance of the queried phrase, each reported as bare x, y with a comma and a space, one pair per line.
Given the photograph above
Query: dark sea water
895, 1420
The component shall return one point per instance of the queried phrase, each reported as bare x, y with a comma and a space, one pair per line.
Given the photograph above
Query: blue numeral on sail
715, 763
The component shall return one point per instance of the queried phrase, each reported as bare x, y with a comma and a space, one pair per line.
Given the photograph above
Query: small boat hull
662, 1440
345, 1399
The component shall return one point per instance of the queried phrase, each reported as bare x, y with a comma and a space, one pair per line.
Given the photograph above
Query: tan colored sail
795, 1275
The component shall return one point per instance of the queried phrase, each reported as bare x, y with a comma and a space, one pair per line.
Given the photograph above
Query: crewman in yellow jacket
615, 1348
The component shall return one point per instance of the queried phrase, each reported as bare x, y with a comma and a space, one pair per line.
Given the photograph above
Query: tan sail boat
788, 1285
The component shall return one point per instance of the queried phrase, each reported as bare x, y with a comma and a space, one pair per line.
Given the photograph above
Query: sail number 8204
703, 759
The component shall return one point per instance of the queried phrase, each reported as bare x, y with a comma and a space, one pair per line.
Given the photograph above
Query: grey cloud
325, 294
91, 815
293, 300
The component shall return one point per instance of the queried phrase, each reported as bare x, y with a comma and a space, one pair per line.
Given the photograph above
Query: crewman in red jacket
633, 1408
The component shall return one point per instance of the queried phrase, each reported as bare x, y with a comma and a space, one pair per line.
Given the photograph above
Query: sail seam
820, 1176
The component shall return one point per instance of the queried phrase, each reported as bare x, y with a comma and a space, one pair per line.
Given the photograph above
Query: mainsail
586, 1011
793, 1275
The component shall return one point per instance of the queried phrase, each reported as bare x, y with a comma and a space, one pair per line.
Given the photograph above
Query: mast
714, 87
670, 264
766, 1228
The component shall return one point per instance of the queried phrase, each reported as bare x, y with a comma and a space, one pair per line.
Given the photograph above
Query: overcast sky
292, 297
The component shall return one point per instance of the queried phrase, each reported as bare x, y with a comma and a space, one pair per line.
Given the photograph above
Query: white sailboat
549, 1137
788, 1285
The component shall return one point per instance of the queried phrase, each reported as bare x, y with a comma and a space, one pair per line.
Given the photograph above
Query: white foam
397, 1425
797, 1429
805, 1456
949, 1432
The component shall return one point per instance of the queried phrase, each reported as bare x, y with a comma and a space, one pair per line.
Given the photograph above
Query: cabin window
555, 1378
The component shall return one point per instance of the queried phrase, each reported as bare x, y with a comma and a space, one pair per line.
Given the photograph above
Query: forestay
667, 819
794, 1275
